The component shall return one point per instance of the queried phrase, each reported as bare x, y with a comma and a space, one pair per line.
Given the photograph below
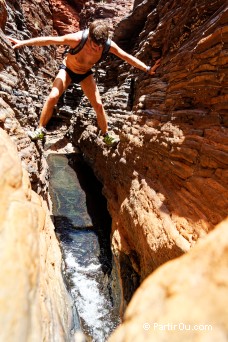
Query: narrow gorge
166, 183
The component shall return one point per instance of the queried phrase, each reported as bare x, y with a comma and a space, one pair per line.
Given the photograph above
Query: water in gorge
82, 225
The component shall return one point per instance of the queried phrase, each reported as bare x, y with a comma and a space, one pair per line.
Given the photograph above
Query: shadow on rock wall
166, 182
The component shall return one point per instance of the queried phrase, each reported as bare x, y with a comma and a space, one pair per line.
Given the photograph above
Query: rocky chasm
166, 183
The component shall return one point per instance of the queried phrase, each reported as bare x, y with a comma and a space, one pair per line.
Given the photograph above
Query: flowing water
83, 225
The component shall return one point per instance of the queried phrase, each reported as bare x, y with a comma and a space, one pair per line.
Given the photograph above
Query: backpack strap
80, 46
105, 50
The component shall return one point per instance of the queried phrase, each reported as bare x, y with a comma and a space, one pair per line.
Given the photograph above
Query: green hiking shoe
110, 141
38, 134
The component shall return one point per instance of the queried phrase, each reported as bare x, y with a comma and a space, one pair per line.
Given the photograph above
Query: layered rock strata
166, 182
34, 304
30, 252
26, 75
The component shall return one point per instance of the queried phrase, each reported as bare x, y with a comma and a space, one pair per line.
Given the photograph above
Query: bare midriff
84, 60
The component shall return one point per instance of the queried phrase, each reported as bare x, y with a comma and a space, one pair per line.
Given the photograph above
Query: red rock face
3, 14
26, 77
70, 16
166, 183
65, 16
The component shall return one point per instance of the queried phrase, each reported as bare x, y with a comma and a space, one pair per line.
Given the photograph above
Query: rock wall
70, 16
110, 11
34, 303
27, 74
37, 306
166, 182
184, 300
26, 77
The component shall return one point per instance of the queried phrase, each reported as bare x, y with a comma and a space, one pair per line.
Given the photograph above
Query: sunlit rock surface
166, 182
34, 303
185, 299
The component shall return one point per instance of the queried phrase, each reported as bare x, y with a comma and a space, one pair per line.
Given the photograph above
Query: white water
87, 263
89, 285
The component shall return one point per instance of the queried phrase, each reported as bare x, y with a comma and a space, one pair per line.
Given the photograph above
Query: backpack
79, 47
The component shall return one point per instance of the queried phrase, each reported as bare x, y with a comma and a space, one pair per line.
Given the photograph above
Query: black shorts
75, 78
